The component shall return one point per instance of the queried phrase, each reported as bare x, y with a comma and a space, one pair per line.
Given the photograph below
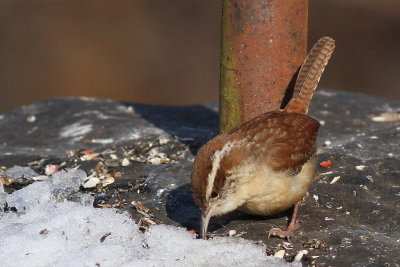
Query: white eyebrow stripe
216, 162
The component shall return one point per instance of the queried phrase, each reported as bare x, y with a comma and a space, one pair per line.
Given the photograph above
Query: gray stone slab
353, 221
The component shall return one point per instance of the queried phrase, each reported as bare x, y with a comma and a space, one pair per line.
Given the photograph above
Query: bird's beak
205, 219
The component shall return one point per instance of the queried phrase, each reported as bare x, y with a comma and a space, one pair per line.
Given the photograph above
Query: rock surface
351, 216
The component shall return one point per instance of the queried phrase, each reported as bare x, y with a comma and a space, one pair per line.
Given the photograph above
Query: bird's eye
214, 194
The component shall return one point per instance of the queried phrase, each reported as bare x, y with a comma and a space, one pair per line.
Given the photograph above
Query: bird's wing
285, 140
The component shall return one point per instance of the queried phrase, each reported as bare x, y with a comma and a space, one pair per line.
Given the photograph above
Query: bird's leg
292, 227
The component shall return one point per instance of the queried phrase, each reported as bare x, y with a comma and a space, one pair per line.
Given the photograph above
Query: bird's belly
270, 193
272, 204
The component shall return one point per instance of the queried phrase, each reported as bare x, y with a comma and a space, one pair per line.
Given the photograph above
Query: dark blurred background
167, 51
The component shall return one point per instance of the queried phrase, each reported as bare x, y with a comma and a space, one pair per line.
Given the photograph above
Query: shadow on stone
191, 125
182, 209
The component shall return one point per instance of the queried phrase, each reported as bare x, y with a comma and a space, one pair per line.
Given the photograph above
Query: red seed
325, 164
87, 152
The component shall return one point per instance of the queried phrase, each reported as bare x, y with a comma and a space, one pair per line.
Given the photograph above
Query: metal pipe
263, 44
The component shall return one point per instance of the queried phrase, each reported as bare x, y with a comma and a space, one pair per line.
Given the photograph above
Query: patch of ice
76, 129
87, 98
135, 135
59, 186
102, 141
68, 180
49, 232
160, 192
325, 93
31, 196
97, 113
126, 109
20, 172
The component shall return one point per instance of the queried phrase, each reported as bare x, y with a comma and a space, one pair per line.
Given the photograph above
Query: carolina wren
265, 165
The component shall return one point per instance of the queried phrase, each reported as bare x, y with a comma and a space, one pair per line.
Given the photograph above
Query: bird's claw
280, 233
287, 234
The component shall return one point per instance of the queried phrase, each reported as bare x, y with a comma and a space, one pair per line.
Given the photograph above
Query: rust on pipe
264, 42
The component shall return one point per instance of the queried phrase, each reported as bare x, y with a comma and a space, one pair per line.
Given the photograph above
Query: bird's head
212, 186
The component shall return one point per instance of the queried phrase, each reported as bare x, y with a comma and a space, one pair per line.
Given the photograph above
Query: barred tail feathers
310, 74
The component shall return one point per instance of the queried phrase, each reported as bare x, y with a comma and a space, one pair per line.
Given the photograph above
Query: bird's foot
287, 234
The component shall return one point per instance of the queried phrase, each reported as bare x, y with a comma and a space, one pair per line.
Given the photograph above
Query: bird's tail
309, 75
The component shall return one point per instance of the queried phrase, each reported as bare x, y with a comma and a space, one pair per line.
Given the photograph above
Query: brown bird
267, 164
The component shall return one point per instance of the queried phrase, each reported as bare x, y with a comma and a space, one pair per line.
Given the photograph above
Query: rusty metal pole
263, 44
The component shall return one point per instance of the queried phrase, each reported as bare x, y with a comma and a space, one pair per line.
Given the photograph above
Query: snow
48, 229
3, 195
